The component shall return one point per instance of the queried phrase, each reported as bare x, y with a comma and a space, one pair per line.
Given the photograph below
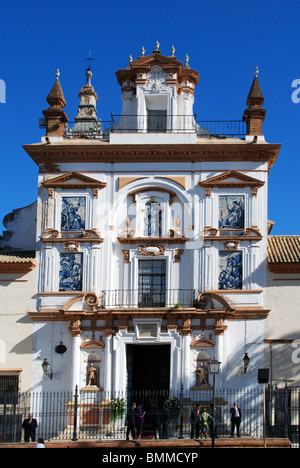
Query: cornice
285, 268
15, 267
47, 155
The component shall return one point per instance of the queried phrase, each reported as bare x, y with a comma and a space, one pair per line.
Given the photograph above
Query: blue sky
225, 40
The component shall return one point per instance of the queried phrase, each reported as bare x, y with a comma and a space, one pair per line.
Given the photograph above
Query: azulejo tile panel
73, 214
231, 212
70, 271
230, 269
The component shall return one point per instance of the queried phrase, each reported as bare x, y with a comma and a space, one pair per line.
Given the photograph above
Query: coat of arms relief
157, 79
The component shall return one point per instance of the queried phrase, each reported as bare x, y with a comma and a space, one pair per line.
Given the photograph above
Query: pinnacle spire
254, 115
56, 96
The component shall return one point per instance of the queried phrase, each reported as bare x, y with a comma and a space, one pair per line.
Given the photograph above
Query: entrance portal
148, 376
148, 367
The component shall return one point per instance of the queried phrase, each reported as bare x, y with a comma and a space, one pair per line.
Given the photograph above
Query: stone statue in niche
92, 376
202, 375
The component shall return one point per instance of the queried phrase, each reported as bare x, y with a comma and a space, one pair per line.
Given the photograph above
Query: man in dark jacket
29, 425
236, 417
131, 421
165, 422
157, 422
195, 419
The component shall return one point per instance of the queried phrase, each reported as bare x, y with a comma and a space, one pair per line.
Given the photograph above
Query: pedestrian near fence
236, 418
206, 420
131, 421
157, 423
29, 425
195, 420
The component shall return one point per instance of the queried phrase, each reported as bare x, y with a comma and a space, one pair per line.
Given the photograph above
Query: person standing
165, 422
206, 420
195, 419
29, 425
157, 422
131, 422
140, 416
236, 417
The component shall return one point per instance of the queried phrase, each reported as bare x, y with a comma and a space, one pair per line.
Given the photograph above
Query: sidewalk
167, 445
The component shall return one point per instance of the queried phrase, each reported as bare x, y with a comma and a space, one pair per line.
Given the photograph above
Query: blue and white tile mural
70, 271
73, 213
231, 212
230, 269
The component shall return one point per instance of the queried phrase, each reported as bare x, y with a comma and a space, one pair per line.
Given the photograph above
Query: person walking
131, 421
29, 425
195, 420
236, 417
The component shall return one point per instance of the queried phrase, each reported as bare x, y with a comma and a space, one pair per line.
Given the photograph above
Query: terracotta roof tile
16, 257
283, 249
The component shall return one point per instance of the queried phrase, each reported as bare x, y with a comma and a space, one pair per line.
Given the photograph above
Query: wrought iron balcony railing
160, 124
134, 298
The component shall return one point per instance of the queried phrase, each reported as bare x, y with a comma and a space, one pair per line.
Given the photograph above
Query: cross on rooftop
89, 59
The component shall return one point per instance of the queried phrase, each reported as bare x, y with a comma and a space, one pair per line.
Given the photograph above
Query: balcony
155, 298
160, 124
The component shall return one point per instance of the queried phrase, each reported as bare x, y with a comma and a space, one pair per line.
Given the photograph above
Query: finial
173, 51
130, 58
256, 71
157, 44
187, 58
57, 73
88, 75
143, 51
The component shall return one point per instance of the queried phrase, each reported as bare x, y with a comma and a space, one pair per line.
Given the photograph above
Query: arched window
153, 219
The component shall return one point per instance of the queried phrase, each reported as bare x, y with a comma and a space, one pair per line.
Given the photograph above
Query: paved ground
169, 445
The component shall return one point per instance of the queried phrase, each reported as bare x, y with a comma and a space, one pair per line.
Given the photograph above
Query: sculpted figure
92, 376
202, 375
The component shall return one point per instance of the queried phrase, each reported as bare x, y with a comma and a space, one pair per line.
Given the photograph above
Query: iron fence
133, 298
156, 124
90, 414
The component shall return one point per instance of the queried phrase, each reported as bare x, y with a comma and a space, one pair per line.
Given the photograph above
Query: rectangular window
9, 387
156, 121
73, 211
70, 271
152, 283
230, 269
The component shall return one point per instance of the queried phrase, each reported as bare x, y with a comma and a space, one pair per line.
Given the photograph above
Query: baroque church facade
152, 238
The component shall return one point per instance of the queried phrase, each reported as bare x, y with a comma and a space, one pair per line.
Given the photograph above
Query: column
75, 330
108, 365
186, 341
186, 352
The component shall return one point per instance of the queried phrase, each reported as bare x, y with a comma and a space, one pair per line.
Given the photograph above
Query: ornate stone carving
157, 79
152, 250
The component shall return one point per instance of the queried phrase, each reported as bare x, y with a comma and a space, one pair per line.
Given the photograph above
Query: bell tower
86, 120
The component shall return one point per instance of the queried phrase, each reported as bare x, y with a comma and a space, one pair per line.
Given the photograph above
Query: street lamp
46, 368
214, 367
246, 360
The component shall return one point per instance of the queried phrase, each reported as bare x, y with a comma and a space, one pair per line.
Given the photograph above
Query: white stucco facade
150, 237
